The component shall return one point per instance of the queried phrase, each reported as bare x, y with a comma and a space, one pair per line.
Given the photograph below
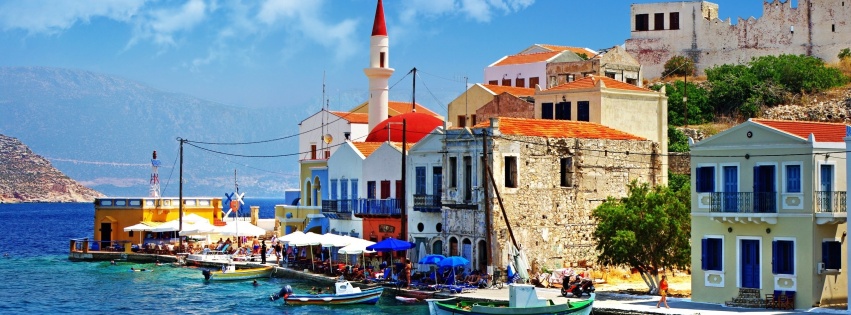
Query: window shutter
774, 259
825, 253
704, 257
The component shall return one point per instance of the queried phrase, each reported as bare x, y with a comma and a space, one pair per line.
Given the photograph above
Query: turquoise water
38, 277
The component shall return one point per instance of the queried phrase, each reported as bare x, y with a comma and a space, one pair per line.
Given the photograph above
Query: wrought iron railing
427, 203
830, 201
377, 207
743, 202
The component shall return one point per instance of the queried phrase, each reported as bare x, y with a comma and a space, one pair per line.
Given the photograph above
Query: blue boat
344, 293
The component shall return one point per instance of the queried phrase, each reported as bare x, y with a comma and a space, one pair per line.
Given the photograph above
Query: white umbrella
174, 225
291, 237
420, 254
357, 247
307, 239
202, 227
141, 226
244, 228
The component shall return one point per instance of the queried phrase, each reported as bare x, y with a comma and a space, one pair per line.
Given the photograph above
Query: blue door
731, 188
826, 187
750, 264
763, 189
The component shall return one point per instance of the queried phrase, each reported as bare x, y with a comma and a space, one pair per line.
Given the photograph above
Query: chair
770, 301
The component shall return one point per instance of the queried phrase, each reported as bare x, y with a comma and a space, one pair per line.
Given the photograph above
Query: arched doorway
453, 246
308, 193
437, 247
467, 252
317, 195
482, 254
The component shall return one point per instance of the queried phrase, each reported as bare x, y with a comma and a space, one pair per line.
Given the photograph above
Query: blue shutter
704, 257
333, 189
420, 180
825, 253
775, 261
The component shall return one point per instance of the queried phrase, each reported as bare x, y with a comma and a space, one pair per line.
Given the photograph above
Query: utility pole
180, 195
403, 205
685, 98
487, 202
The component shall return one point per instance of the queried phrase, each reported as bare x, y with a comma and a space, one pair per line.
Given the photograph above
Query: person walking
278, 252
408, 273
263, 250
663, 291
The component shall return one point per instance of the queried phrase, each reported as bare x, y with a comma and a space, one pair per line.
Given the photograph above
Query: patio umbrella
432, 259
391, 244
452, 262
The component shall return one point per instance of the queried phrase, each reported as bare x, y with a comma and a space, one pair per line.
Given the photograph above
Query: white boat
523, 299
208, 256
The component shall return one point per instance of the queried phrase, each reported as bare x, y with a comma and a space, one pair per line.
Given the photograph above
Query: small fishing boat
407, 299
345, 294
229, 272
523, 299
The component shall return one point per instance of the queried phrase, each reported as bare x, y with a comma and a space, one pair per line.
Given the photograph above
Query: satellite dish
327, 138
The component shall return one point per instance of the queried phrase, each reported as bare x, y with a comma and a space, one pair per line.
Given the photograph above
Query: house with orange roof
463, 109
769, 213
609, 102
345, 170
550, 174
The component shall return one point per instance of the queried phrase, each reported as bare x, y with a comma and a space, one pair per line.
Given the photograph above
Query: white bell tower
379, 70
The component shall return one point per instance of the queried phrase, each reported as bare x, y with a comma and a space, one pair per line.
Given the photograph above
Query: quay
606, 302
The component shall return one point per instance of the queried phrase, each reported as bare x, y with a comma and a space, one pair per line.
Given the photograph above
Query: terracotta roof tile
591, 81
527, 58
558, 129
577, 50
516, 91
396, 108
355, 118
398, 145
366, 148
823, 132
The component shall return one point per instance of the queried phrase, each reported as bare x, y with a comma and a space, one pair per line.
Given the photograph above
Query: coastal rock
28, 177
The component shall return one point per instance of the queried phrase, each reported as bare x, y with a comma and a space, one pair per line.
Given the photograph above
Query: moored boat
522, 300
229, 272
344, 293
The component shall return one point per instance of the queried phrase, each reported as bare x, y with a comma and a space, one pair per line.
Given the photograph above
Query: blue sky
273, 53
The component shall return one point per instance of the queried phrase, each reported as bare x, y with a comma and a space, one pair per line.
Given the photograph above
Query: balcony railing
377, 208
427, 203
830, 201
743, 202
338, 209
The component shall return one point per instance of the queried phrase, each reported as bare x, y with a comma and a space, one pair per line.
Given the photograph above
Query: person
256, 247
112, 262
408, 273
263, 253
255, 283
312, 290
278, 251
158, 263
663, 291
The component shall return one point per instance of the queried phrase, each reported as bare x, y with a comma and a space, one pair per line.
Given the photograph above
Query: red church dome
418, 125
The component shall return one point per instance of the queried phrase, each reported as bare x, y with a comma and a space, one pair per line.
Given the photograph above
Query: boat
523, 299
208, 256
229, 272
407, 299
344, 293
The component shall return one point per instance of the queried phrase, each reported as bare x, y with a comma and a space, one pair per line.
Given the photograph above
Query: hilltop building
662, 30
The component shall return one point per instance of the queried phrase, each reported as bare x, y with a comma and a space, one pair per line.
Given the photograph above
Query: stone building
692, 28
614, 63
462, 110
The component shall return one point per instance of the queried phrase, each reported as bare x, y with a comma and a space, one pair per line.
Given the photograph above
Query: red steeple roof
378, 27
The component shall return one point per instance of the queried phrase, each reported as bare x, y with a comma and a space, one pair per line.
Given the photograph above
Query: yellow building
112, 215
462, 110
769, 213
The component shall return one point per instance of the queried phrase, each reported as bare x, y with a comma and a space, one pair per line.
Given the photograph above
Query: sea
39, 279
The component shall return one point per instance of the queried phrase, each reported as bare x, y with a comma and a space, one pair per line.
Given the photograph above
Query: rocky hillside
28, 177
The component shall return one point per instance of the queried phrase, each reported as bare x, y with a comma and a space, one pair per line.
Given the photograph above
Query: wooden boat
522, 300
344, 293
229, 272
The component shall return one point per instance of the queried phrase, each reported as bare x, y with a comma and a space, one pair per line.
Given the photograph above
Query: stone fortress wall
818, 28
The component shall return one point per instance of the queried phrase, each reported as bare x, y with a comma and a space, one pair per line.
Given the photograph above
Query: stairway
747, 298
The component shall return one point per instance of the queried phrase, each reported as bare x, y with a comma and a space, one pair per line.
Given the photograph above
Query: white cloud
161, 25
478, 10
51, 17
305, 18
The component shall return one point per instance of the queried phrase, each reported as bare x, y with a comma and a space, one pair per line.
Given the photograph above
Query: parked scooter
576, 287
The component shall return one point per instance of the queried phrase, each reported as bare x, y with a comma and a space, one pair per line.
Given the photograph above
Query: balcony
427, 203
830, 207
372, 208
744, 207
338, 209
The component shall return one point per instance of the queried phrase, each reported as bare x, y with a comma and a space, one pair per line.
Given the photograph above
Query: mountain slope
28, 177
101, 130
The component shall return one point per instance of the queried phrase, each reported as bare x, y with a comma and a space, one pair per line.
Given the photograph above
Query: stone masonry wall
505, 105
554, 223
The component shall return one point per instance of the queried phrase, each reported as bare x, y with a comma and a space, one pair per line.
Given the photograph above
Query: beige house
769, 213
611, 103
462, 110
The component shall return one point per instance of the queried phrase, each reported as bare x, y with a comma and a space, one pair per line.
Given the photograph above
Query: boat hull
241, 274
461, 307
370, 296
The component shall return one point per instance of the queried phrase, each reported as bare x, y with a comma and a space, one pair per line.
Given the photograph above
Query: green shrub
679, 66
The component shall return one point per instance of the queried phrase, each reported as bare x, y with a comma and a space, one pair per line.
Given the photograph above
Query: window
520, 82
583, 111
783, 257
333, 189
400, 192
493, 82
632, 81
370, 189
468, 179
642, 22
712, 254
553, 81
570, 78
312, 151
420, 183
354, 189
831, 254
381, 59
566, 172
546, 110
472, 120
563, 111
705, 179
327, 154
533, 82
506, 82
659, 21
511, 171
385, 189
344, 189
437, 180
610, 75
833, 28
453, 172
462, 121
674, 18
793, 178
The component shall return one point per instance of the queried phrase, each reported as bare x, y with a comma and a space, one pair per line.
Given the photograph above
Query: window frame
566, 170
583, 111
831, 257
510, 171
674, 20
716, 264
697, 178
786, 177
775, 248
642, 22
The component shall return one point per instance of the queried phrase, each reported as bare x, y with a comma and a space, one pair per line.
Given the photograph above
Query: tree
844, 53
678, 65
647, 230
677, 140
700, 108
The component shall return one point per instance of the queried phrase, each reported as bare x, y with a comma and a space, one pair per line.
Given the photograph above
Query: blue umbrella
391, 244
453, 261
432, 259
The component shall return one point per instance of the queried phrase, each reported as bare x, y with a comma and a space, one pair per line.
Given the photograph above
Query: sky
278, 53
